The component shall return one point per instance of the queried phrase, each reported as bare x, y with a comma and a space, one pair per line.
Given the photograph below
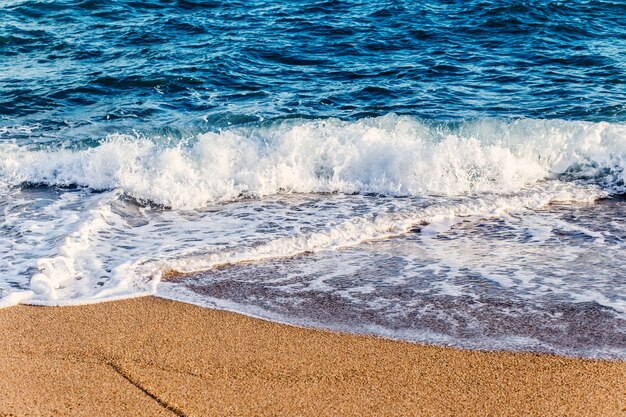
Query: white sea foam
381, 226
101, 255
391, 155
65, 239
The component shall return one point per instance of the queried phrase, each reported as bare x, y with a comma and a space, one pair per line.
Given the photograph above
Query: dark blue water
78, 69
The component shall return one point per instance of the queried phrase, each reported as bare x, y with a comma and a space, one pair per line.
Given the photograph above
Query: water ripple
349, 59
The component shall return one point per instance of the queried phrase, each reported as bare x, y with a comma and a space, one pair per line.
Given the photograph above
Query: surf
390, 155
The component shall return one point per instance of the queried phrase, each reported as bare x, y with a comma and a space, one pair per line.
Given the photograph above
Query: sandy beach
151, 356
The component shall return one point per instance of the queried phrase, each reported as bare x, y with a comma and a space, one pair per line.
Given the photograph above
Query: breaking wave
391, 155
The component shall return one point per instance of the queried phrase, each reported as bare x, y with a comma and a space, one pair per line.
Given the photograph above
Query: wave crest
392, 155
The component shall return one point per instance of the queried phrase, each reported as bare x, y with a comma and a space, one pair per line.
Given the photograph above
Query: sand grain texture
152, 357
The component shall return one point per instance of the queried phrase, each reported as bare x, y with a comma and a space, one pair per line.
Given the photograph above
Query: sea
441, 172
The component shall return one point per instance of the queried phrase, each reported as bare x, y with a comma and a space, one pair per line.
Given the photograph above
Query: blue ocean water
81, 68
446, 172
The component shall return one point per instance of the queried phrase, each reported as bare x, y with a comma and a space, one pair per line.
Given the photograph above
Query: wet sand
152, 357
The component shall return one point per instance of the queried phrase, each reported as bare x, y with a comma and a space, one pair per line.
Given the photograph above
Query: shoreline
154, 356
322, 327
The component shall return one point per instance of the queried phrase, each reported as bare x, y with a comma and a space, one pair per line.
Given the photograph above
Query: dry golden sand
156, 357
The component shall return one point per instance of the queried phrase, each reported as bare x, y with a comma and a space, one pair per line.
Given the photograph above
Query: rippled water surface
173, 66
442, 172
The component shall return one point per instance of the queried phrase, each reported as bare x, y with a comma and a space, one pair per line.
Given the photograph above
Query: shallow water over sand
549, 281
